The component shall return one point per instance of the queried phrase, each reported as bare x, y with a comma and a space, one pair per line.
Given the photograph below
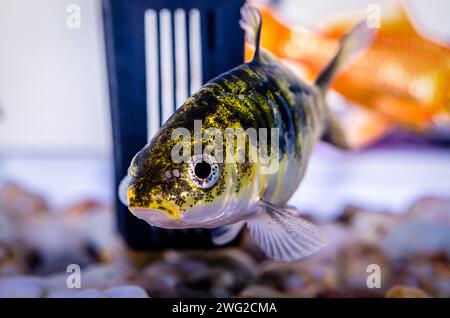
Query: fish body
273, 112
260, 94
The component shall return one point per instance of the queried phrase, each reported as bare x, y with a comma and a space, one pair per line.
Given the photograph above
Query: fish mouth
156, 211
160, 219
157, 217
199, 217
166, 214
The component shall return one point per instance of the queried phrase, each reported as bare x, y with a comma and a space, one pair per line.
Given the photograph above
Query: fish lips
157, 218
160, 219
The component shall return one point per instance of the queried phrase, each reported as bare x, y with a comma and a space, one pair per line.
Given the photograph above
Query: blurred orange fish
403, 80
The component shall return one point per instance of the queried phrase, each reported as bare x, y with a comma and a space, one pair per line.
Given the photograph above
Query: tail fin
354, 42
251, 23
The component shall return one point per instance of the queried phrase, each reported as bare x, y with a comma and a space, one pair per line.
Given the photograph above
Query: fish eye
204, 171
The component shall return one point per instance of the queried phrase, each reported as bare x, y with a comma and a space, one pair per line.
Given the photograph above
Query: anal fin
226, 234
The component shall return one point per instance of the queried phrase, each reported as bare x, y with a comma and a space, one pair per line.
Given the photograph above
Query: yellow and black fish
220, 186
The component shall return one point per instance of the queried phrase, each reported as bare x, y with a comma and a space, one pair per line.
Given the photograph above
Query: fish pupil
202, 169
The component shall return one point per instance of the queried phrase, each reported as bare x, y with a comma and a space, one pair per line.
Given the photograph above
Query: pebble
21, 286
400, 291
36, 245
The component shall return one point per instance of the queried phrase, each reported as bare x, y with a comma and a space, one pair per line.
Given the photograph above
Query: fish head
173, 185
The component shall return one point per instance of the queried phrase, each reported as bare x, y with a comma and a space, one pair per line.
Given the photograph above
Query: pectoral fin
226, 234
123, 189
283, 235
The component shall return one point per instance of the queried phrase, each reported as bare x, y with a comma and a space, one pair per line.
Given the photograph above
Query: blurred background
55, 132
55, 128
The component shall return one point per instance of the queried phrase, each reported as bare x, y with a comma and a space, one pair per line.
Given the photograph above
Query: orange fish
402, 80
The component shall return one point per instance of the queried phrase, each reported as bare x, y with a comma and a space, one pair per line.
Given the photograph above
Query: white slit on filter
195, 50
151, 62
166, 63
181, 57
164, 55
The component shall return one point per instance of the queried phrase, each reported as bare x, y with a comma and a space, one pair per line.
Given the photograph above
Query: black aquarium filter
158, 53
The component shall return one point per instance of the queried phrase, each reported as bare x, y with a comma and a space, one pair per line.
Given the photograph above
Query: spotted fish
205, 190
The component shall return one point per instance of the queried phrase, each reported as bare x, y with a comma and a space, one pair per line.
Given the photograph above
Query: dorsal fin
251, 23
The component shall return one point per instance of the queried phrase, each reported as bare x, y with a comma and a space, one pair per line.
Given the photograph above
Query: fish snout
154, 210
157, 218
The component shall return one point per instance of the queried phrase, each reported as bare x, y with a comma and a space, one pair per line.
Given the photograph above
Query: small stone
233, 269
87, 293
401, 291
21, 287
257, 291
127, 291
352, 265
82, 207
432, 209
21, 203
160, 279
